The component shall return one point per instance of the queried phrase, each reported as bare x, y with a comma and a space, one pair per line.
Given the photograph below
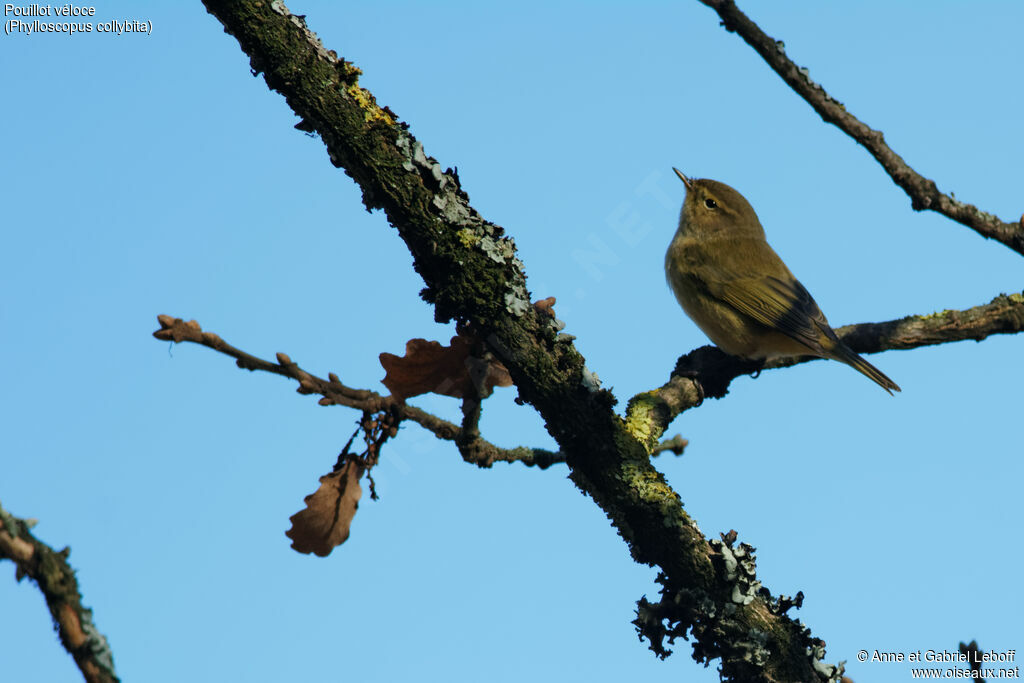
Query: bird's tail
844, 354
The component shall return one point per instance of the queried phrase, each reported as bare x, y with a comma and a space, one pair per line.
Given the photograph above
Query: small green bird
737, 289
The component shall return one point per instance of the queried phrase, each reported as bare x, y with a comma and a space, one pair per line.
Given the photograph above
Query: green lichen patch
640, 422
366, 102
468, 238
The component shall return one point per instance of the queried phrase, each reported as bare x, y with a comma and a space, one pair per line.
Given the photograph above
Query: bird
733, 285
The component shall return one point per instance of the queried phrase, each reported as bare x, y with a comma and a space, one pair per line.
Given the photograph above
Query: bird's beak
686, 181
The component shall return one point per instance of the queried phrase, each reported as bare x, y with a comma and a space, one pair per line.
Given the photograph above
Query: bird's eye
710, 203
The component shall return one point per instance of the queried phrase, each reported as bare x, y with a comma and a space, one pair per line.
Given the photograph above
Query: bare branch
707, 372
676, 444
923, 192
474, 450
50, 571
975, 656
477, 450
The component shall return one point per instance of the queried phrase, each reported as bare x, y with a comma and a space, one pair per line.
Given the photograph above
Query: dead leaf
325, 521
546, 306
449, 370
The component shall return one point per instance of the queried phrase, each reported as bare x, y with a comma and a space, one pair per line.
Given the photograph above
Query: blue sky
148, 174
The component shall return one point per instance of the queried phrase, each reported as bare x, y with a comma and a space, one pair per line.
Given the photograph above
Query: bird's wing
750, 277
782, 305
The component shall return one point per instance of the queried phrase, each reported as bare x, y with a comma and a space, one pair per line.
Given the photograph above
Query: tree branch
707, 372
478, 451
474, 449
50, 571
923, 192
472, 274
975, 657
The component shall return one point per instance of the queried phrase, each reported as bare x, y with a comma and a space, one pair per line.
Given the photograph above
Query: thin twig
975, 657
333, 392
676, 444
923, 192
474, 449
50, 571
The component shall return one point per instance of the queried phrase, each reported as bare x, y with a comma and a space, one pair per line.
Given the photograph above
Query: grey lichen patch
517, 301
805, 73
590, 381
705, 604
451, 209
985, 215
403, 144
497, 250
472, 232
754, 647
96, 641
416, 160
428, 164
738, 568
826, 672
672, 617
418, 155
278, 7
437, 173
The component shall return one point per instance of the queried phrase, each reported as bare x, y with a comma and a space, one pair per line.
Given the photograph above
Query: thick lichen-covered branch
472, 273
707, 372
923, 192
50, 571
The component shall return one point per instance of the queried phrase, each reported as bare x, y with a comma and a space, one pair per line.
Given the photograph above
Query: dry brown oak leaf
324, 523
428, 367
